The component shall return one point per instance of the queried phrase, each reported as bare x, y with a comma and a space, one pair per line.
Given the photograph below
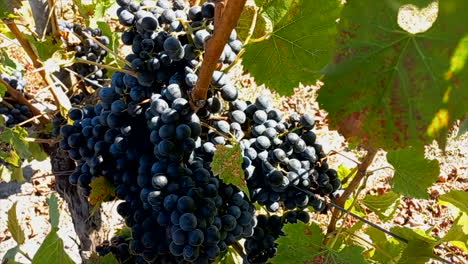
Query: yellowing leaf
14, 227
101, 190
227, 163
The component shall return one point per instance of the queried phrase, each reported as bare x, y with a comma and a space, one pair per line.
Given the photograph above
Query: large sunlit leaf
384, 205
413, 173
298, 47
389, 88
14, 227
52, 251
456, 198
458, 233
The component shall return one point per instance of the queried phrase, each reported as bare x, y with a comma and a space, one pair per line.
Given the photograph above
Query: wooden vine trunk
90, 230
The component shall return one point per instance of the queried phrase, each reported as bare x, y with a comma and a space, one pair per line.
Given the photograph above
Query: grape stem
361, 173
227, 14
106, 66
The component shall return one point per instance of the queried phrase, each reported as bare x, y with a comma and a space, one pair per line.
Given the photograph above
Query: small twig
50, 141
31, 119
107, 49
239, 249
218, 118
20, 99
225, 21
53, 19
84, 78
24, 254
106, 66
361, 173
332, 152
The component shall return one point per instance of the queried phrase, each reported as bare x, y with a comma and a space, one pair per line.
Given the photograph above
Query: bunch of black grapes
261, 246
16, 80
118, 246
281, 156
144, 137
90, 50
15, 113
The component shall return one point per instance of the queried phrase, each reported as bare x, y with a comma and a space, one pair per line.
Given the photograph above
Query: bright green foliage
345, 173
413, 173
350, 254
230, 256
419, 247
301, 244
263, 26
456, 198
54, 214
44, 48
101, 190
383, 205
227, 163
10, 63
114, 41
458, 234
14, 227
7, 8
275, 10
16, 138
390, 88
51, 251
3, 89
297, 48
36, 152
387, 249
107, 259
17, 174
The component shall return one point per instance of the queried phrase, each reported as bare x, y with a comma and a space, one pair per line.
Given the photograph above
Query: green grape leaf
7, 8
413, 173
86, 9
263, 26
52, 251
419, 247
36, 151
101, 8
384, 205
54, 213
297, 48
301, 244
44, 48
5, 173
456, 198
458, 233
276, 10
387, 249
391, 85
14, 227
8, 62
101, 190
113, 44
109, 258
230, 256
11, 157
227, 163
9, 257
351, 254
16, 138
345, 173
3, 89
124, 231
17, 174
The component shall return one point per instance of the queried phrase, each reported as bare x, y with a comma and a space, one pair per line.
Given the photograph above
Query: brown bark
88, 228
227, 14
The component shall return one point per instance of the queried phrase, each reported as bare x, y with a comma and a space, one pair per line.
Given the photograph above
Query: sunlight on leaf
417, 20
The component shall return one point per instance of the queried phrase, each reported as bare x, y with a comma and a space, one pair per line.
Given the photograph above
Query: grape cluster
262, 246
15, 113
144, 137
89, 50
118, 247
16, 80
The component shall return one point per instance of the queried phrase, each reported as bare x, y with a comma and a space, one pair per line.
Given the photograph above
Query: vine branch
227, 14
361, 173
60, 97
